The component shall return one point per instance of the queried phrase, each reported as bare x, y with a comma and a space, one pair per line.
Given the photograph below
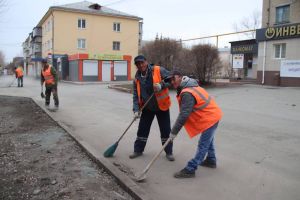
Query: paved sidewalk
257, 141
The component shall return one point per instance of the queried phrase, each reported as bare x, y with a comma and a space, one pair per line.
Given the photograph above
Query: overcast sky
178, 19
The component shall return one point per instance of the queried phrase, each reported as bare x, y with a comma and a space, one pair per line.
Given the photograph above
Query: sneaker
56, 107
209, 163
135, 155
184, 173
170, 157
47, 106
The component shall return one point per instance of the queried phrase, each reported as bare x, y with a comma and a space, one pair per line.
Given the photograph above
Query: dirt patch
39, 160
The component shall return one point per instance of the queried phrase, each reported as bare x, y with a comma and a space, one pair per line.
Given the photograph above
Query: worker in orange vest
149, 80
19, 75
199, 114
49, 76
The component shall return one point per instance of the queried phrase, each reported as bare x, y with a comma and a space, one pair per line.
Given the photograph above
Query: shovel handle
156, 156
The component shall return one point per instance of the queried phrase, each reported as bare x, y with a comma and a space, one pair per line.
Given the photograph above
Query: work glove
157, 87
172, 136
136, 115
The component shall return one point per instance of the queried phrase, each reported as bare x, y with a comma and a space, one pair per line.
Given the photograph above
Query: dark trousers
163, 118
48, 91
20, 81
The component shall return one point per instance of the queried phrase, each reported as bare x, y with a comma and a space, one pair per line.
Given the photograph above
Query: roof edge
91, 13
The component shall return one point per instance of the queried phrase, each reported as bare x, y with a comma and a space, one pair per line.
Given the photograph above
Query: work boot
209, 163
135, 155
184, 173
170, 157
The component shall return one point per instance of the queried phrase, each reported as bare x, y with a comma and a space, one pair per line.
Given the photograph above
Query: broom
111, 150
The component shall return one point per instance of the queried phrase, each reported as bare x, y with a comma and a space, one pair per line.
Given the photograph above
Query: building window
81, 44
279, 50
116, 46
282, 14
117, 27
81, 23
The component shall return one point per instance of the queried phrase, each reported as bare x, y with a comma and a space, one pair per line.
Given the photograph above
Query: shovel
142, 176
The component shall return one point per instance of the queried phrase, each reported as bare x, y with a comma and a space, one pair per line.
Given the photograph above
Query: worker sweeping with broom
150, 98
149, 80
199, 114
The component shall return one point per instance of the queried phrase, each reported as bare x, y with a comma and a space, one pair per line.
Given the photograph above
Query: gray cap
139, 58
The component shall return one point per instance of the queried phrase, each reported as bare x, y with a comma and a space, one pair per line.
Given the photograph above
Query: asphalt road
257, 141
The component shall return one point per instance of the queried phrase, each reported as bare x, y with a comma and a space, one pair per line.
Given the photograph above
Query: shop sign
238, 61
242, 49
278, 32
106, 56
290, 68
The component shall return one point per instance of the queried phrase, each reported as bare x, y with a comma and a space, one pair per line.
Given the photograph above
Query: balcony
37, 48
37, 31
37, 39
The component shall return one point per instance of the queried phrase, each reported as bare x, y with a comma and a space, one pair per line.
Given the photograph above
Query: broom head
111, 150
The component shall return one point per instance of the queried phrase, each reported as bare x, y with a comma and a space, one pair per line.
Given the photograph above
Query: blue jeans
205, 146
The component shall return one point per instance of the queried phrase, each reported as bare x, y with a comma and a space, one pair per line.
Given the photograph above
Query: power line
211, 36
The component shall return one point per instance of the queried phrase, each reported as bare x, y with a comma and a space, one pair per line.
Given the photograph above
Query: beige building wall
99, 35
47, 40
271, 74
225, 58
272, 63
294, 11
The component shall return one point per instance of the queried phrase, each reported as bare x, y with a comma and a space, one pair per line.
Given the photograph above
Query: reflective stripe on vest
207, 100
162, 97
49, 79
205, 112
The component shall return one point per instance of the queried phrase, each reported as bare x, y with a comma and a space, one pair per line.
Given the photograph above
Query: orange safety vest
49, 79
19, 72
205, 112
162, 97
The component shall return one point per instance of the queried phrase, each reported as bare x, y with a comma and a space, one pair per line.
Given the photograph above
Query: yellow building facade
88, 28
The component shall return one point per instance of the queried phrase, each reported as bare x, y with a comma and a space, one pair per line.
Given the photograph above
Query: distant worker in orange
199, 114
49, 76
19, 75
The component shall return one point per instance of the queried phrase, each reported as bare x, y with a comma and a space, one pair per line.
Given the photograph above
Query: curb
120, 88
123, 180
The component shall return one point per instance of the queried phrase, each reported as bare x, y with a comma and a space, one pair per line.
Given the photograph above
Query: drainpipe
52, 37
269, 10
264, 64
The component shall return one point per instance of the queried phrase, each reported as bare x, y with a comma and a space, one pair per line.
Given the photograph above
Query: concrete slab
257, 141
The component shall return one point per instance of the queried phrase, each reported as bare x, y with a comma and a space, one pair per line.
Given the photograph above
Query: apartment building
98, 43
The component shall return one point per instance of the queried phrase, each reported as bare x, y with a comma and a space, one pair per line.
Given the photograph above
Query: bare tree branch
253, 21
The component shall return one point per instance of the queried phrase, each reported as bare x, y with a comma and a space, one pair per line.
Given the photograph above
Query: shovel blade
141, 178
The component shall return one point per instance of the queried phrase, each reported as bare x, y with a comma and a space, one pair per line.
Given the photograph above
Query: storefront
99, 67
244, 59
279, 55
